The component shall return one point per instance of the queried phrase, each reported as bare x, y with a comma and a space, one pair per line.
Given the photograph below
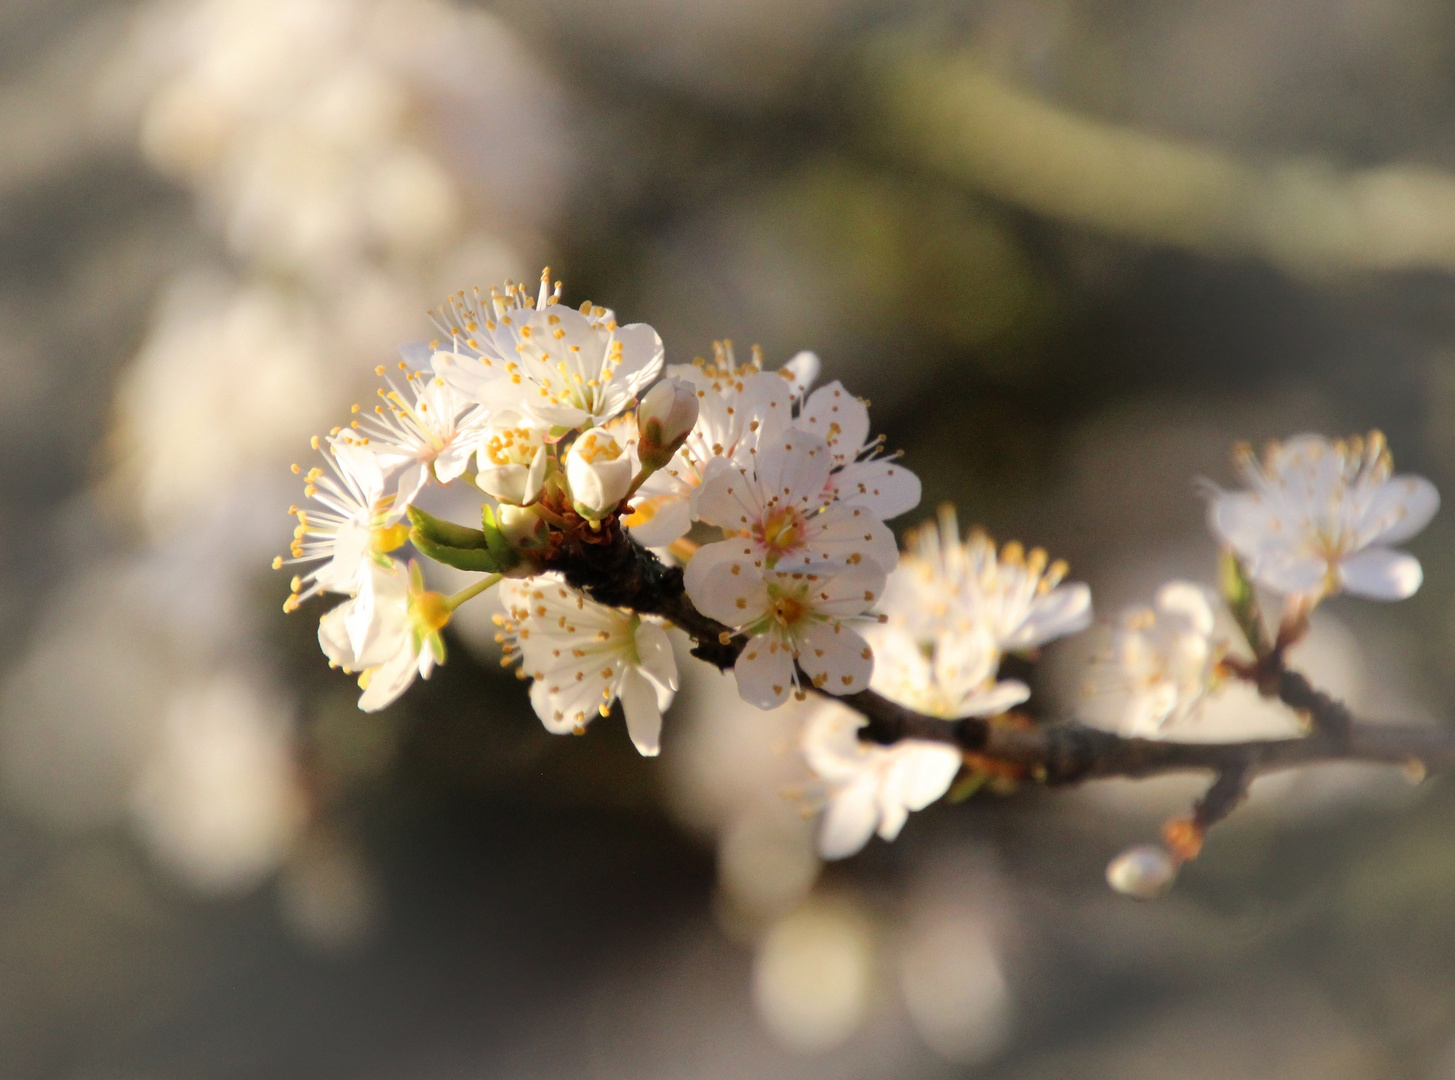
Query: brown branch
613, 569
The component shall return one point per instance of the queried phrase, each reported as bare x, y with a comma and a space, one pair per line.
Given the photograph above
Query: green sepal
457, 546
504, 551
1242, 601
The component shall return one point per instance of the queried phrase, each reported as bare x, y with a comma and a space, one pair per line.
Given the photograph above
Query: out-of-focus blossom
957, 678
1162, 662
561, 367
1321, 517
583, 656
870, 788
953, 984
948, 585
218, 801
813, 976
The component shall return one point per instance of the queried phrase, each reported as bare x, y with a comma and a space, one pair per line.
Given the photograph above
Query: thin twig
615, 570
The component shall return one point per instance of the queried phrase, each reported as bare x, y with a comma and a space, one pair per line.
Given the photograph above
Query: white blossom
955, 677
1321, 517
583, 656
351, 527
945, 585
599, 471
782, 508
870, 788
563, 368
402, 639
738, 406
882, 485
794, 618
1162, 662
422, 429
513, 459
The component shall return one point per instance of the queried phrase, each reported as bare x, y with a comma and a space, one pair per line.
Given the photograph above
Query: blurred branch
948, 113
614, 570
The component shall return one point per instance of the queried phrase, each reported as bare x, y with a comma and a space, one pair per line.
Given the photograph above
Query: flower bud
522, 527
512, 461
599, 473
1143, 872
664, 420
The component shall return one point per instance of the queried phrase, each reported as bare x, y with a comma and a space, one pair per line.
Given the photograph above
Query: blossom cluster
953, 608
568, 422
773, 497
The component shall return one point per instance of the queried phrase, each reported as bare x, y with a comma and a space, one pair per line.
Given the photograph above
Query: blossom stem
471, 591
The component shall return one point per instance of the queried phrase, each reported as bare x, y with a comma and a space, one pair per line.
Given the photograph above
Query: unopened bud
1143, 872
665, 418
522, 527
599, 473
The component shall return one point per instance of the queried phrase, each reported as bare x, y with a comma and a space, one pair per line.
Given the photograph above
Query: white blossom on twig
1321, 517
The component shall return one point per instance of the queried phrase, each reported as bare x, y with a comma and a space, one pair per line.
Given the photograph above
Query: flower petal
724, 582
838, 418
1399, 509
884, 488
643, 716
838, 660
1381, 574
764, 673
849, 820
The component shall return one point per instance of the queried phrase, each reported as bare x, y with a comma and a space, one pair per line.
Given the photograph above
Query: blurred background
1071, 249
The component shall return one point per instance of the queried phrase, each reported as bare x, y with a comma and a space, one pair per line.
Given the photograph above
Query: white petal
1244, 520
1187, 600
654, 653
1064, 610
1289, 573
794, 469
849, 820
836, 659
837, 417
993, 699
1400, 508
333, 637
801, 371
764, 673
453, 460
1381, 574
659, 520
923, 772
846, 591
411, 480
885, 488
390, 680
728, 496
643, 717
724, 583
